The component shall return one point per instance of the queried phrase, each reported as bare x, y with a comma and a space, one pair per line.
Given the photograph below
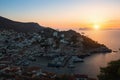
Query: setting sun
96, 27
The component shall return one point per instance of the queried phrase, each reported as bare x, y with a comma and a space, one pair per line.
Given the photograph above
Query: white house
64, 41
50, 41
62, 35
55, 34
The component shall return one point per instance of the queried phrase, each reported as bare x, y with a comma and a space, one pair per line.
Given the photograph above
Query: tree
111, 72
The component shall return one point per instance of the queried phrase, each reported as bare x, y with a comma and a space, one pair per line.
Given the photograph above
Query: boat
76, 59
88, 54
71, 65
82, 33
115, 51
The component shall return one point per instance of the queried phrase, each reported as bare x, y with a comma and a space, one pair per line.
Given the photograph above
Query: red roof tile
33, 68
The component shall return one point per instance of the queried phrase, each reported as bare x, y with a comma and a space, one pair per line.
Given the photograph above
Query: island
28, 48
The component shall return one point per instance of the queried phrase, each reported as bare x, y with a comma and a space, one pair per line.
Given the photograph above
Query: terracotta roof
2, 67
49, 74
33, 68
12, 69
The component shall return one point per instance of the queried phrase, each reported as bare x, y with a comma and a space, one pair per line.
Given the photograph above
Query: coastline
62, 49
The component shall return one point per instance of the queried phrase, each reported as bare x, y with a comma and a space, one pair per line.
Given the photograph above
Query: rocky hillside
19, 26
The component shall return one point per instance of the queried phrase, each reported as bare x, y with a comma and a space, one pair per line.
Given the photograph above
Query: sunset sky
64, 14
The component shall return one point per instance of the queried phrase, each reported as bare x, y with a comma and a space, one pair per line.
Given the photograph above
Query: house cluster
12, 42
24, 73
21, 46
17, 49
35, 73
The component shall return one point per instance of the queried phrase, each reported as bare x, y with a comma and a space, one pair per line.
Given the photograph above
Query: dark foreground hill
19, 26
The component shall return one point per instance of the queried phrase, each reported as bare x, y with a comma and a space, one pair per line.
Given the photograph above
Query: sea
92, 64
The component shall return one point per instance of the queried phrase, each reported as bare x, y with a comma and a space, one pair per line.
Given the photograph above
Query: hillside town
20, 54
32, 52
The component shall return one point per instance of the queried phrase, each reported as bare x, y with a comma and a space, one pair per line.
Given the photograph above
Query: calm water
92, 64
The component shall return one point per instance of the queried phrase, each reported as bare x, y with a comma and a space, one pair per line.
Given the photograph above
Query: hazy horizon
64, 14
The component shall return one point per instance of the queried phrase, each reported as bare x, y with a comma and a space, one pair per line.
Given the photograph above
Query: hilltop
19, 26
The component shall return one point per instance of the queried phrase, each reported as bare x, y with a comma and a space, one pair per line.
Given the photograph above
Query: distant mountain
19, 26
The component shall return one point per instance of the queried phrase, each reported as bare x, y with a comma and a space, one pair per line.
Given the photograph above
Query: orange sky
64, 14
